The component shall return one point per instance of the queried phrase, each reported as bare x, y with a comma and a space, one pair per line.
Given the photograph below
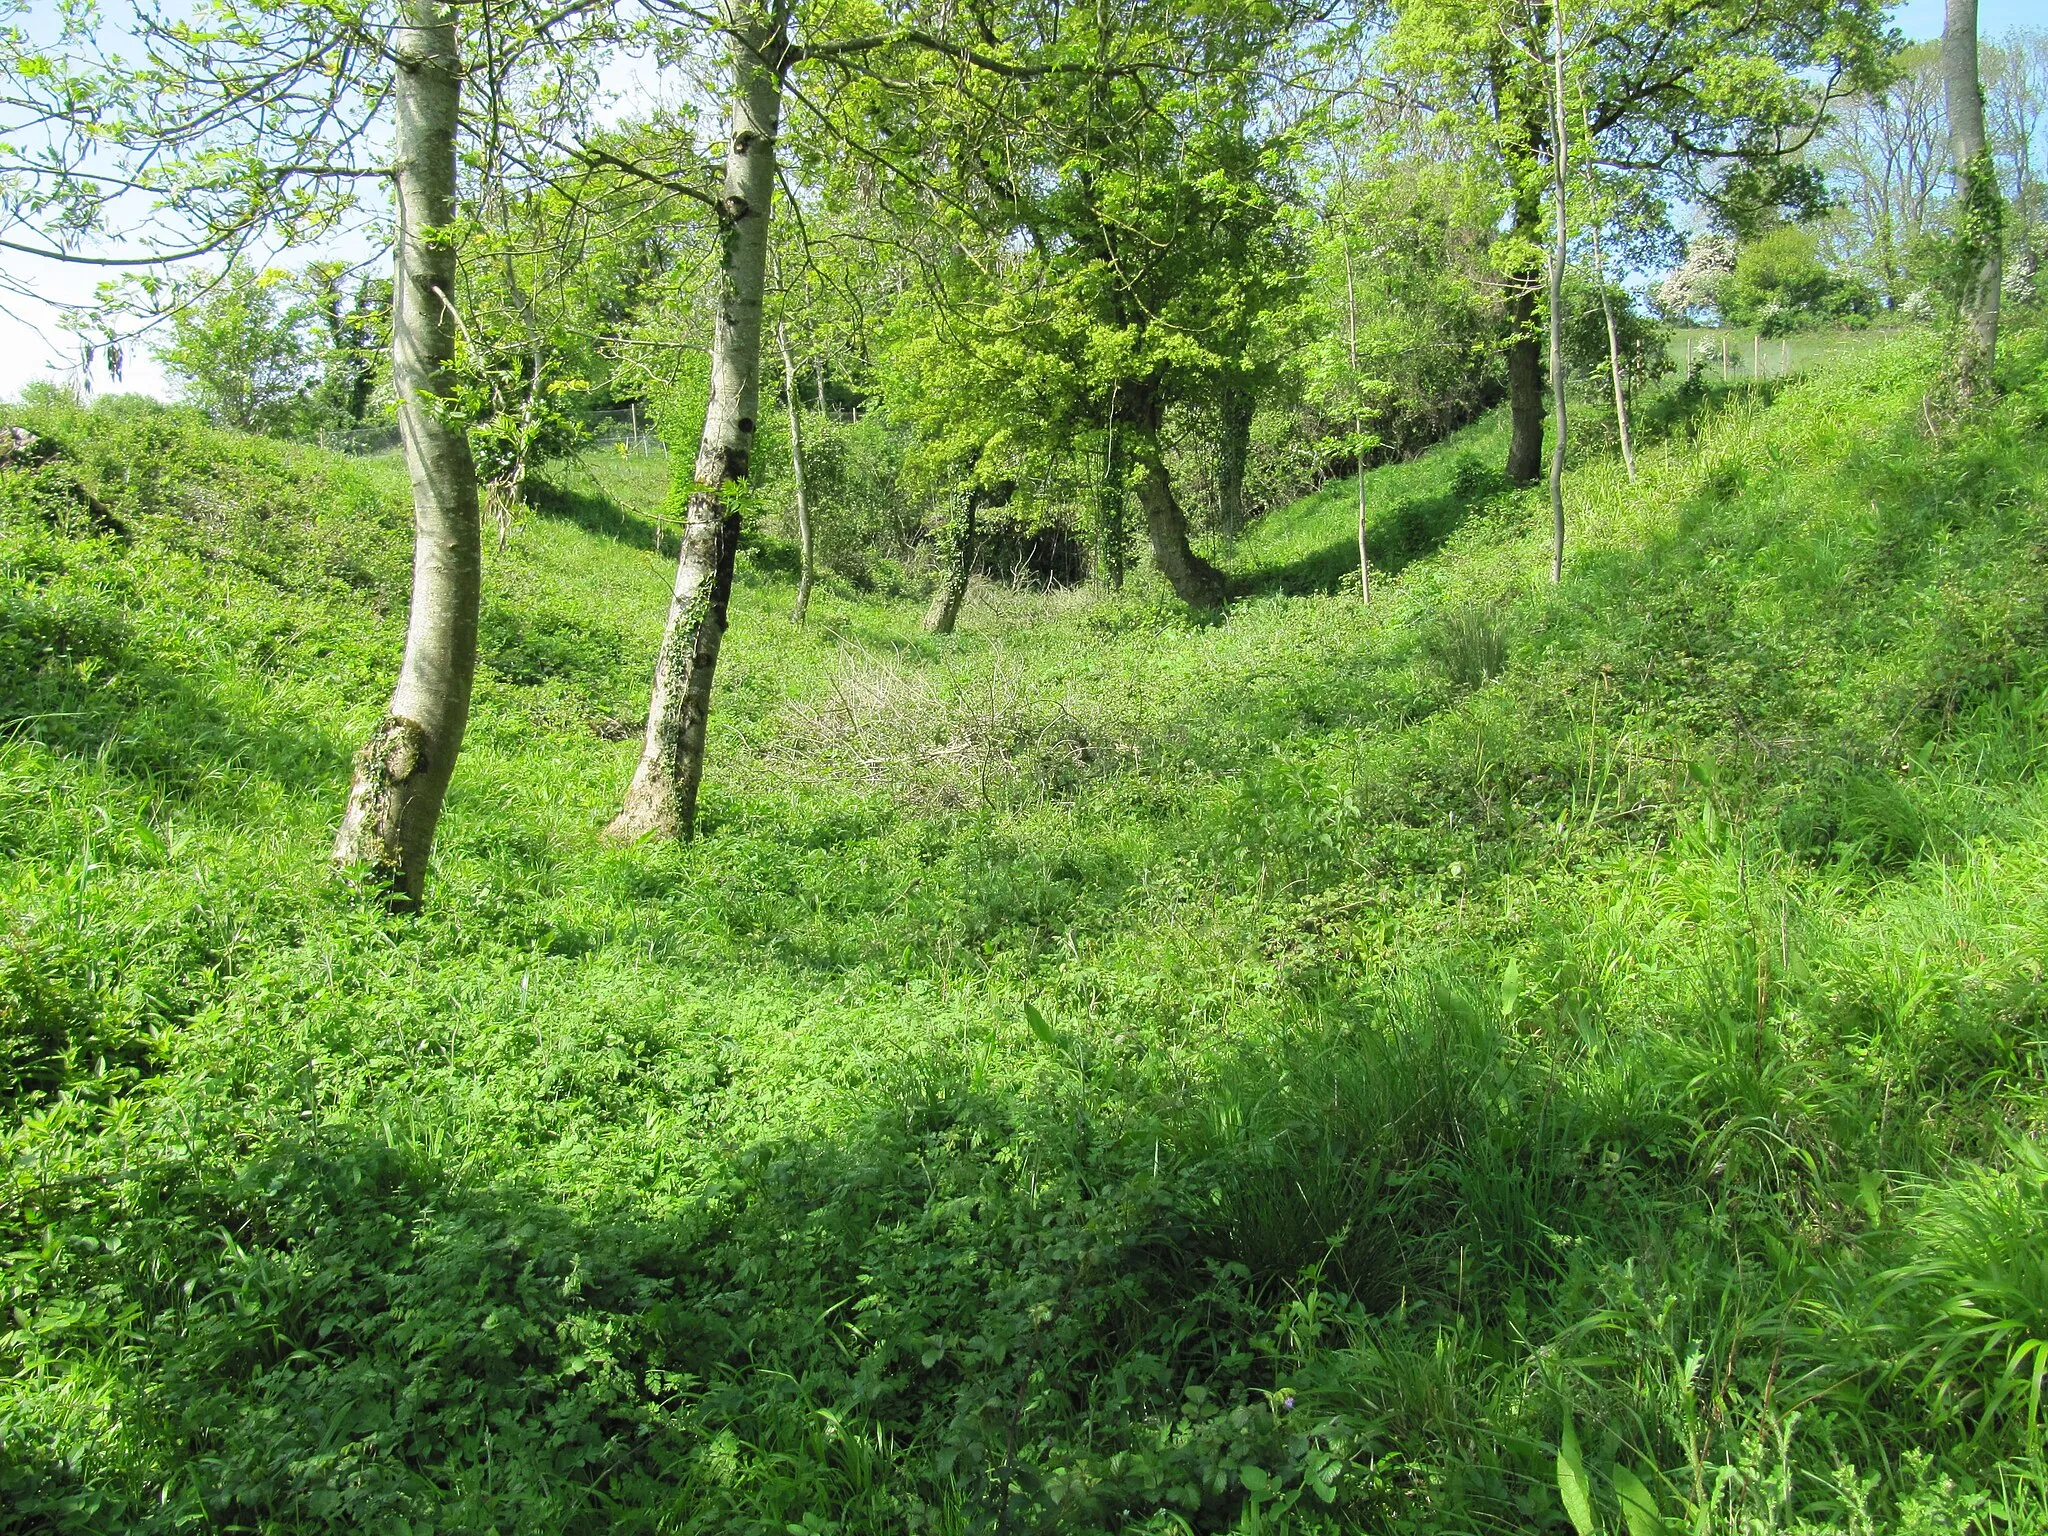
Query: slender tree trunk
1233, 447
402, 772
960, 538
1981, 205
1628, 447
805, 551
1357, 422
1194, 580
1558, 254
662, 799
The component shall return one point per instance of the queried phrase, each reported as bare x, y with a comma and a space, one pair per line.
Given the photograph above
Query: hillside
1103, 1071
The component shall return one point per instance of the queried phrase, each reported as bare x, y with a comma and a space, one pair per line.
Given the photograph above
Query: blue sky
1921, 19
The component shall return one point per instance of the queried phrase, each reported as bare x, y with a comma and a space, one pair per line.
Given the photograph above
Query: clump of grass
1471, 645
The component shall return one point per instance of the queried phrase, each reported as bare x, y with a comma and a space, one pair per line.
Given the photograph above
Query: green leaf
1253, 1478
1040, 1028
1572, 1486
1638, 1504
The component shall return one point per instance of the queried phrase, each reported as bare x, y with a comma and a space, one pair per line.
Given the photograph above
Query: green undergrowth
1102, 1071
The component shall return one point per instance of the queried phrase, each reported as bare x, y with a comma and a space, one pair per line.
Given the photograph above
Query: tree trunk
1357, 423
402, 772
1628, 447
1982, 207
662, 799
1525, 360
1194, 580
960, 537
1560, 156
1233, 446
804, 548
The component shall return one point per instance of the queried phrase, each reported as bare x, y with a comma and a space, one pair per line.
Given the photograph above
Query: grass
1103, 1071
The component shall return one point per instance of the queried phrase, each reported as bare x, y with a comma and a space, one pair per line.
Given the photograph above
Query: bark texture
402, 772
805, 546
662, 799
1525, 352
1194, 580
960, 540
1525, 386
1982, 207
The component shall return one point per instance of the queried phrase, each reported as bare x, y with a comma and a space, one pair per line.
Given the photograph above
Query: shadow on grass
380, 1341
98, 693
1398, 533
595, 511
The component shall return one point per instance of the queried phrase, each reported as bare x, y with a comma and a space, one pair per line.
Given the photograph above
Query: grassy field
1422, 1067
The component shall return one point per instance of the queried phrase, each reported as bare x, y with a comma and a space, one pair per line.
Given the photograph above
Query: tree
662, 798
1712, 101
1884, 158
1980, 209
243, 353
403, 771
265, 120
807, 555
1779, 284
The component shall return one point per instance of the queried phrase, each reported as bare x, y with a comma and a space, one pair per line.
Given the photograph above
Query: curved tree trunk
402, 772
1982, 207
1194, 580
1233, 446
806, 552
662, 799
960, 538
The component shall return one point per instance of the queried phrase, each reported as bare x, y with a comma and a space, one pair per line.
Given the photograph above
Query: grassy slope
1495, 1000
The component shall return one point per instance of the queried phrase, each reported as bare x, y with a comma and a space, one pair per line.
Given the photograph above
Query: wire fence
625, 427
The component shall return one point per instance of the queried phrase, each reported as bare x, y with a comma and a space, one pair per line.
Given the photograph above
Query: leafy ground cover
1499, 1059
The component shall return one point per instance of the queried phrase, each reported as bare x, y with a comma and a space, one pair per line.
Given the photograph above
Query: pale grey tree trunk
1979, 204
402, 772
662, 799
1357, 422
1558, 255
960, 537
806, 553
1628, 447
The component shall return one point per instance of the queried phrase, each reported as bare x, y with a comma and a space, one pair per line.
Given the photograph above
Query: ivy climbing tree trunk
1194, 580
805, 548
1980, 236
402, 772
662, 799
960, 539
